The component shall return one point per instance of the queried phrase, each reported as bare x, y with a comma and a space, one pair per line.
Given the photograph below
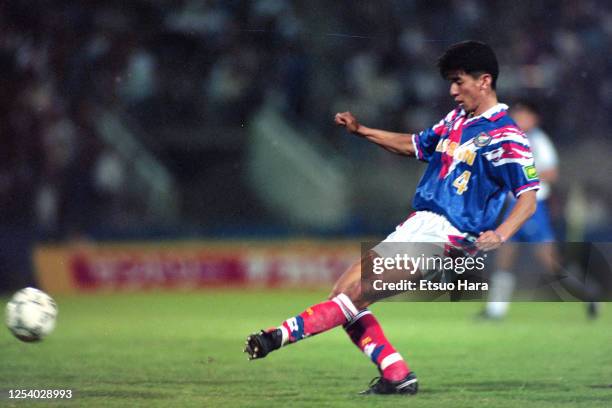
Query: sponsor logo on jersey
455, 150
530, 172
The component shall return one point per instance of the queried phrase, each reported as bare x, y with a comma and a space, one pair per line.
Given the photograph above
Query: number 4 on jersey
461, 182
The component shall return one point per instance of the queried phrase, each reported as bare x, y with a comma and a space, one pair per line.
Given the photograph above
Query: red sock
318, 318
367, 334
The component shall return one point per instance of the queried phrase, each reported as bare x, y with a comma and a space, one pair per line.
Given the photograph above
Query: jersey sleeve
510, 160
425, 142
544, 152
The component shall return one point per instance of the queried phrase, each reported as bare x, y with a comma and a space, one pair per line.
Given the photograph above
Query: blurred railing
292, 177
147, 178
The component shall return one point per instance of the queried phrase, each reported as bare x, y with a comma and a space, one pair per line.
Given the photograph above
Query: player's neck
486, 104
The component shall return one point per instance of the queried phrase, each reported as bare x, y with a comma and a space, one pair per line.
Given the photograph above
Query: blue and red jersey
473, 163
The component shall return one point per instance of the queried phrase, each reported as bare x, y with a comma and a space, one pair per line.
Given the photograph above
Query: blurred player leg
502, 283
565, 278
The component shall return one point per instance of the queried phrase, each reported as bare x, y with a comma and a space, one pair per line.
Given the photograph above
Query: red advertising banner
191, 265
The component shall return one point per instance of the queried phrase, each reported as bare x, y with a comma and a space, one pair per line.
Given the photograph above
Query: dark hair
526, 104
473, 57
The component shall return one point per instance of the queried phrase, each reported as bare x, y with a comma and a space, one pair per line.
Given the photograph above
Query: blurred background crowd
215, 118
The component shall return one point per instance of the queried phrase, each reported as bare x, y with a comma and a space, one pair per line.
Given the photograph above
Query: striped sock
318, 318
365, 331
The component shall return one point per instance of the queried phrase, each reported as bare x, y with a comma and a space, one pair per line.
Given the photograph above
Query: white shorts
420, 227
424, 226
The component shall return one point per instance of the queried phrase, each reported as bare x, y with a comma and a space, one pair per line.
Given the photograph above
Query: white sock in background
500, 292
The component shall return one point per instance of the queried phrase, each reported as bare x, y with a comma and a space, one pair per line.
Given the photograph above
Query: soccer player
538, 228
475, 155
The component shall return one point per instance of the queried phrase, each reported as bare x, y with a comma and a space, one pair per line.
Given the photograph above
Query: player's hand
489, 240
347, 120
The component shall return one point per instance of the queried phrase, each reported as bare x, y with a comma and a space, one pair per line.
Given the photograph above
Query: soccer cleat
379, 385
258, 345
592, 310
483, 315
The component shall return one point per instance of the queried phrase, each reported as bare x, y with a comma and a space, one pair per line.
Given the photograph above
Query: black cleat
258, 345
409, 385
593, 310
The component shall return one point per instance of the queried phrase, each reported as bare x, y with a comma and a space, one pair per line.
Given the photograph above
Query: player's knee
357, 296
353, 294
361, 302
357, 301
349, 285
337, 289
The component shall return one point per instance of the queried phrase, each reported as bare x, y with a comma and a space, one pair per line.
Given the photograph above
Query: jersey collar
492, 114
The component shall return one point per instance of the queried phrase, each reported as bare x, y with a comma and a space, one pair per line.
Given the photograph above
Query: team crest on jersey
482, 140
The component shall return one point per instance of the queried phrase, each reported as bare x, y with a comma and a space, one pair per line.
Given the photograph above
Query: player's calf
367, 334
316, 319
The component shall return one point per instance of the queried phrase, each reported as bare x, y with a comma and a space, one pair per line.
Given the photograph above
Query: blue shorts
537, 228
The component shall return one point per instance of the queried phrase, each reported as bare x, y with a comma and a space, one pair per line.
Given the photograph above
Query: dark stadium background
152, 120
171, 175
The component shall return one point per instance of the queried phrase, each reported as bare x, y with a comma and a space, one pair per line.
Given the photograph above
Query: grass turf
185, 350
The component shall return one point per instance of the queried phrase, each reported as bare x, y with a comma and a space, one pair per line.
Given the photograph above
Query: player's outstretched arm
400, 143
524, 208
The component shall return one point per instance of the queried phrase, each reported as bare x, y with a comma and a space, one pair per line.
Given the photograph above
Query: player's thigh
348, 280
547, 255
357, 282
506, 255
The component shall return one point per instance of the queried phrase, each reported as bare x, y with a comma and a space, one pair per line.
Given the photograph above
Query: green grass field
180, 350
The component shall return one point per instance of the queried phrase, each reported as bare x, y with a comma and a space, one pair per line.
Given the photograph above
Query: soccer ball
31, 314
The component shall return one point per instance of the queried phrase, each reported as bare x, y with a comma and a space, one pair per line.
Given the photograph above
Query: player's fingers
486, 246
492, 246
483, 237
482, 246
488, 241
346, 115
484, 241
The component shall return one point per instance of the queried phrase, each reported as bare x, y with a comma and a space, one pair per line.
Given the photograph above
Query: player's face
466, 90
525, 119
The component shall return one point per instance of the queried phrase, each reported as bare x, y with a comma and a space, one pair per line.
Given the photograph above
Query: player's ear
485, 81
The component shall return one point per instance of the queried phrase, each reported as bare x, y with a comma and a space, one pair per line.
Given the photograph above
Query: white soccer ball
31, 314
